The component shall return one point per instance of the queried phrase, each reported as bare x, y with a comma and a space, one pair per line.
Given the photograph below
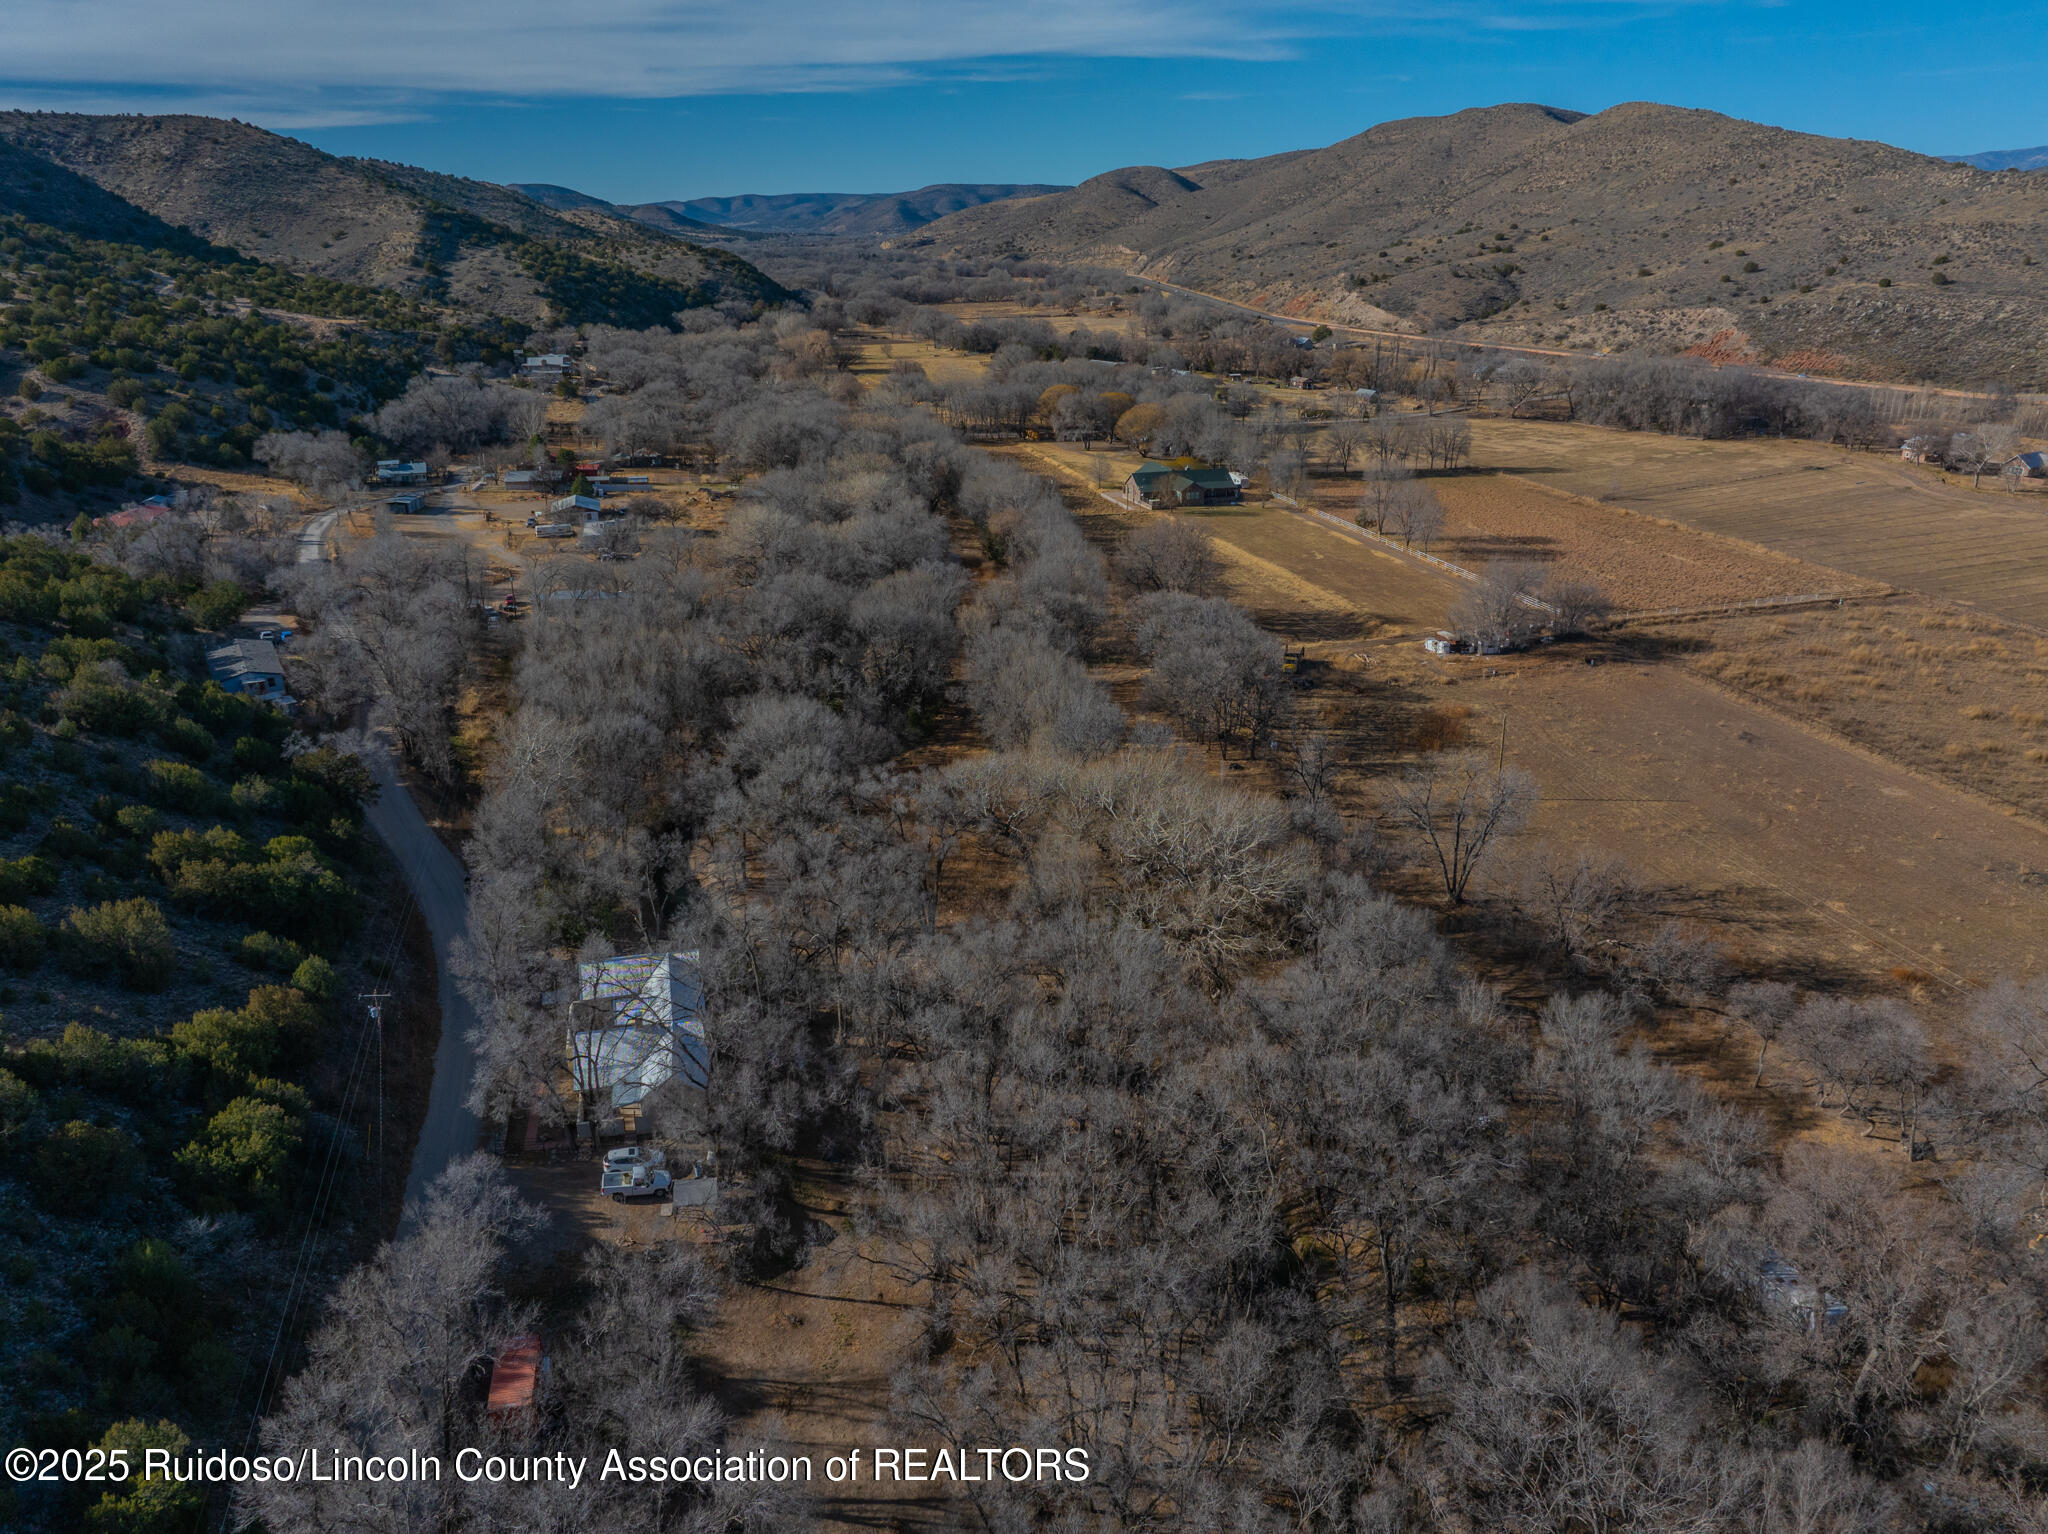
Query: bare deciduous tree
1458, 805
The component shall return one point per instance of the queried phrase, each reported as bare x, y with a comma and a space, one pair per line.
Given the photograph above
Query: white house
396, 471
637, 1023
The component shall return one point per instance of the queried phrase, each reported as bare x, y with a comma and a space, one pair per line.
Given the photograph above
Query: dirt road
1309, 323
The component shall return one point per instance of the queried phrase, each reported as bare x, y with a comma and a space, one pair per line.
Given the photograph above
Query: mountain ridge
2005, 159
852, 213
1644, 227
472, 245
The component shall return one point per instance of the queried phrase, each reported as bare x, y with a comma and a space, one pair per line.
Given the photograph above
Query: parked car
266, 633
633, 1155
634, 1182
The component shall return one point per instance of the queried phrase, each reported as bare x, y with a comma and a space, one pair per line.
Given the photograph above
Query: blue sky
650, 99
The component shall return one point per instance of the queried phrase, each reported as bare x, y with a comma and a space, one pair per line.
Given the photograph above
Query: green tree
316, 977
21, 1107
217, 605
130, 935
142, 1504
80, 1165
244, 1154
22, 938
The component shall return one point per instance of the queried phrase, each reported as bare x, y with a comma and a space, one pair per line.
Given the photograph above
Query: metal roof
244, 657
641, 1020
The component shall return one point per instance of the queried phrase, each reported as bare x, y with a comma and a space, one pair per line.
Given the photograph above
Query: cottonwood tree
458, 414
393, 622
1169, 555
1212, 668
1413, 514
1767, 1006
1576, 606
1519, 383
1577, 898
1458, 805
389, 1368
1495, 612
325, 461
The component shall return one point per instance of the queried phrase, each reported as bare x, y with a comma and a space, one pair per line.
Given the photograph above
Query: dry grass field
877, 352
1642, 563
1871, 515
1807, 855
1960, 696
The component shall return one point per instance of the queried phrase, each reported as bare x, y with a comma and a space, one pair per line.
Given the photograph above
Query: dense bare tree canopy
1185, 1141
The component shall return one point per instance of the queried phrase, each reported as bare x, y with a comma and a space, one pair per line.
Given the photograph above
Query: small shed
2028, 466
515, 1378
408, 502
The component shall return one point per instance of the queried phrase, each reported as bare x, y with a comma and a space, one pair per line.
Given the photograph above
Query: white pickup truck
627, 1182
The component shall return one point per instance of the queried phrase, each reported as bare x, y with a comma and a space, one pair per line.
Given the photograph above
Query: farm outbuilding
2028, 466
576, 508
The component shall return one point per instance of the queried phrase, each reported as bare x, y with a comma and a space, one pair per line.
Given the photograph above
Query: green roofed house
1185, 483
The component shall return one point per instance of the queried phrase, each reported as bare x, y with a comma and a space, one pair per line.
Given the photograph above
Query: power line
321, 1207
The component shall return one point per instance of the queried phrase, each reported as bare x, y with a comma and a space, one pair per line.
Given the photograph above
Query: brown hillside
1534, 225
283, 201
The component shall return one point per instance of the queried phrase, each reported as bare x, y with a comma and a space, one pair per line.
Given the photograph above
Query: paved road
450, 1129
314, 535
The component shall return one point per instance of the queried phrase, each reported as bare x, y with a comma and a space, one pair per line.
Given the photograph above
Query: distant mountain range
471, 245
876, 214
2005, 159
1642, 227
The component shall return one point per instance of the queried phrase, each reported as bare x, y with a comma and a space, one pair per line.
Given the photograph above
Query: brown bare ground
1809, 856
1900, 524
1642, 563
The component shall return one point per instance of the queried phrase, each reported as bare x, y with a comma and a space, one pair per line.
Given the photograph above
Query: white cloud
317, 62
272, 50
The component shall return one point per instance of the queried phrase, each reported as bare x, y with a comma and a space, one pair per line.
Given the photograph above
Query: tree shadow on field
1474, 548
1649, 646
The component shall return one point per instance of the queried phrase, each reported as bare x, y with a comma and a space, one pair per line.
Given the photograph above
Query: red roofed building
515, 1376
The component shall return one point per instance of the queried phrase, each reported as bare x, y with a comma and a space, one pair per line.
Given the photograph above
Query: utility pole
374, 1003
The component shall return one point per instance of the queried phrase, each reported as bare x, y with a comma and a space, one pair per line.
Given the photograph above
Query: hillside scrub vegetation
183, 338
180, 876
